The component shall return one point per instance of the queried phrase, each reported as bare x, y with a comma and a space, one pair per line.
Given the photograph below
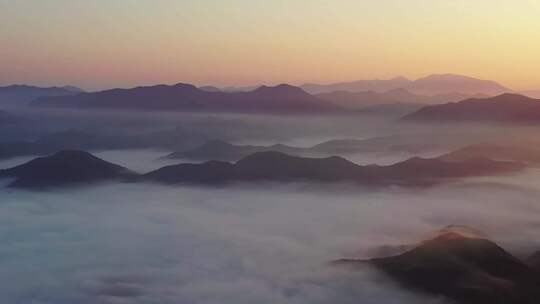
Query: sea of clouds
117, 243
271, 243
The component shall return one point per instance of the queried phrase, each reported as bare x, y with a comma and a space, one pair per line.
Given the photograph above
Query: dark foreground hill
185, 97
503, 108
64, 168
463, 267
276, 166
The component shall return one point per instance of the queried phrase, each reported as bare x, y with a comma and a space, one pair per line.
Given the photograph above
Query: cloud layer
126, 243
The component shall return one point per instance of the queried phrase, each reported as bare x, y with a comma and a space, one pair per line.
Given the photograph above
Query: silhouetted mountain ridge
377, 85
364, 99
502, 108
22, 95
185, 97
435, 84
224, 151
496, 152
466, 268
277, 166
64, 168
451, 83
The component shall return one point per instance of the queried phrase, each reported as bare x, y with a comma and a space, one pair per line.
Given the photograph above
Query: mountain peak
454, 83
185, 86
400, 78
457, 232
64, 167
462, 267
511, 96
446, 77
282, 88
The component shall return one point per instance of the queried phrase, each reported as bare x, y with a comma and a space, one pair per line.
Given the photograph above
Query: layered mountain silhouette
462, 266
496, 152
64, 168
503, 108
185, 97
79, 140
190, 144
397, 110
76, 167
361, 100
451, 83
224, 151
23, 94
376, 85
435, 84
210, 88
277, 166
531, 93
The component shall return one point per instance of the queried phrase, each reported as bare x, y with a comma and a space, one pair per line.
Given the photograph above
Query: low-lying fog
144, 243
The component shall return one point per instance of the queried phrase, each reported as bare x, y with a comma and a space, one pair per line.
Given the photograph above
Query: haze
273, 152
267, 243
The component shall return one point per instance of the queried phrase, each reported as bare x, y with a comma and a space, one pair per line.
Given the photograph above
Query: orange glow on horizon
105, 44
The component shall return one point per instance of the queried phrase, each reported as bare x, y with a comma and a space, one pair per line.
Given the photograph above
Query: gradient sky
108, 43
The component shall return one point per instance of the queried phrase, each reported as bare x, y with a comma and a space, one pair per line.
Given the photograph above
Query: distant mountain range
185, 97
229, 89
282, 99
436, 84
79, 167
224, 151
449, 83
461, 266
376, 85
518, 153
396, 110
361, 100
502, 108
514, 151
79, 140
17, 95
192, 145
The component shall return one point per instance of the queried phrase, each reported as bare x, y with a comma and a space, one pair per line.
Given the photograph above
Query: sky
120, 43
